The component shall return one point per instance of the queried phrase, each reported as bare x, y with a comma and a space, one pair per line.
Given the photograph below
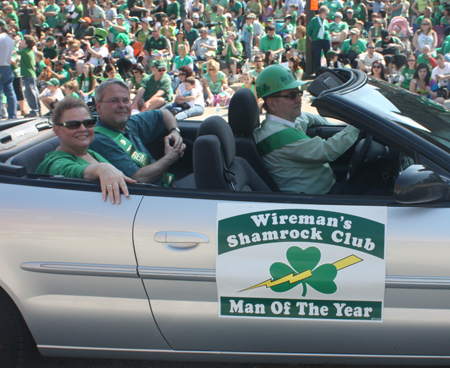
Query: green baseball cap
120, 16
159, 64
53, 82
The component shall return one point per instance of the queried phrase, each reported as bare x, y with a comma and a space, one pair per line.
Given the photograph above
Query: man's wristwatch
175, 128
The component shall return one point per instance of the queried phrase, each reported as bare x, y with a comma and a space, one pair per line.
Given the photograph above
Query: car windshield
421, 115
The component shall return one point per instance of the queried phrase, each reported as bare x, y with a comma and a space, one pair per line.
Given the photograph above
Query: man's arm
172, 153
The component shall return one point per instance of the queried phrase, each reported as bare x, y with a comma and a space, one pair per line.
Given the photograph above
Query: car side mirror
418, 184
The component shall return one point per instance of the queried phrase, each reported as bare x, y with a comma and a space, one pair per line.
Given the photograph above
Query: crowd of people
59, 48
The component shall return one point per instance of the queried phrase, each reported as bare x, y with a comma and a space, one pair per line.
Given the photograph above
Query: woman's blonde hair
213, 64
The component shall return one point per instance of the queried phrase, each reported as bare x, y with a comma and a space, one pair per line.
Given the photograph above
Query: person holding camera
232, 53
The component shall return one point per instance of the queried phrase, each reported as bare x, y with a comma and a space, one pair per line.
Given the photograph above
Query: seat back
32, 157
215, 164
243, 117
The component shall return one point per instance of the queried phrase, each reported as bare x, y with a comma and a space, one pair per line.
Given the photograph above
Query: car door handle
180, 239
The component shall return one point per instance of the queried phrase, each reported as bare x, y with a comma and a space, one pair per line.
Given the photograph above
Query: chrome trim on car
82, 269
172, 273
415, 282
242, 353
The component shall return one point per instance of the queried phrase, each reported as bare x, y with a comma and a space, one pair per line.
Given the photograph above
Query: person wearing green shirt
60, 73
10, 13
354, 44
143, 33
238, 8
338, 29
233, 54
445, 19
27, 64
408, 72
173, 10
76, 16
223, 3
319, 31
51, 14
334, 6
156, 90
120, 27
426, 15
271, 41
73, 159
50, 51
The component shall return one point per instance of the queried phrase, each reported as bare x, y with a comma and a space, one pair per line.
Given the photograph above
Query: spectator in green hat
156, 90
51, 95
50, 51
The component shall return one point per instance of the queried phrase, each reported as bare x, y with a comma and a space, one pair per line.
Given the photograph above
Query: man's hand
175, 137
173, 153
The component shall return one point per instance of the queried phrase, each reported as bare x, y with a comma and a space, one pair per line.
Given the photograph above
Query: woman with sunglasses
138, 75
408, 72
74, 125
214, 81
377, 71
181, 40
425, 35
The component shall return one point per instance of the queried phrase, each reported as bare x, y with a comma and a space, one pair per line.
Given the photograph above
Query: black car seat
32, 157
243, 117
215, 164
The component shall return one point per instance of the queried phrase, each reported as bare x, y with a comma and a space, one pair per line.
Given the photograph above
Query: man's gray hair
189, 21
100, 90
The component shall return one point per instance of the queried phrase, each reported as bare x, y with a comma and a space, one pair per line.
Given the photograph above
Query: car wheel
16, 342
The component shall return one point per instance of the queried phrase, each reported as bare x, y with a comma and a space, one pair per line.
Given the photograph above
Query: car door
176, 242
67, 261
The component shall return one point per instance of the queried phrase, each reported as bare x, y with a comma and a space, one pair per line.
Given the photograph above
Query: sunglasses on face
371, 47
411, 60
376, 67
162, 70
182, 73
291, 96
75, 124
425, 24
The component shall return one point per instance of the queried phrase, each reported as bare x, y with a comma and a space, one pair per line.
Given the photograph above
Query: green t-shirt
420, 19
41, 66
421, 59
27, 62
50, 52
173, 9
338, 28
63, 163
115, 32
73, 95
236, 7
14, 16
274, 44
239, 49
408, 75
215, 87
52, 21
185, 62
79, 10
444, 21
137, 85
84, 83
151, 87
358, 47
66, 76
334, 6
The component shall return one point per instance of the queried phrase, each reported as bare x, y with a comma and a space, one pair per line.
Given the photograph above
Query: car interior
218, 156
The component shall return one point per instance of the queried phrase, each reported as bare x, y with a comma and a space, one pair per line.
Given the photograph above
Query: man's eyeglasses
75, 124
370, 47
116, 101
291, 96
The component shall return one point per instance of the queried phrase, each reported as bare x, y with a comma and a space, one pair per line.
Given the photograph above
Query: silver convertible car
223, 266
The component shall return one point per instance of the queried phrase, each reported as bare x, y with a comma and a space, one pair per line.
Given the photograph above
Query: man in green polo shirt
156, 90
271, 41
51, 13
156, 44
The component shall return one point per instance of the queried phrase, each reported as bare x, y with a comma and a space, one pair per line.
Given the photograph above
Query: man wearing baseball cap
51, 95
156, 90
296, 162
6, 74
85, 31
50, 51
198, 24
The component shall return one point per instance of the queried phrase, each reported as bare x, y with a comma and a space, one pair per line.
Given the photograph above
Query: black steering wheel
359, 156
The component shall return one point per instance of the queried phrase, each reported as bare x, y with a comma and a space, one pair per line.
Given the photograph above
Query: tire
16, 342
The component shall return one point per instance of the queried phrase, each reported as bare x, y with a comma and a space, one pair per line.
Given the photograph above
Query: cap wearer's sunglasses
291, 96
162, 70
75, 124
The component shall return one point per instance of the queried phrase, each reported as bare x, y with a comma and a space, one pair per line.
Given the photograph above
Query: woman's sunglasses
376, 67
75, 124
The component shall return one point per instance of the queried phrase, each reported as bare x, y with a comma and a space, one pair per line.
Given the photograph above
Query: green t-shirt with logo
408, 74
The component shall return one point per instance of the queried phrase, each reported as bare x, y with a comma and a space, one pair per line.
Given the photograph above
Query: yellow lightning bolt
343, 263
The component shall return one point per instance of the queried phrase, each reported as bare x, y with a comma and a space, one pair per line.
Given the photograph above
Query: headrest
215, 125
243, 113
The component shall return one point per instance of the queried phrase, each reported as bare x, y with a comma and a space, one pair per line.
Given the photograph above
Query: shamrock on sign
304, 261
